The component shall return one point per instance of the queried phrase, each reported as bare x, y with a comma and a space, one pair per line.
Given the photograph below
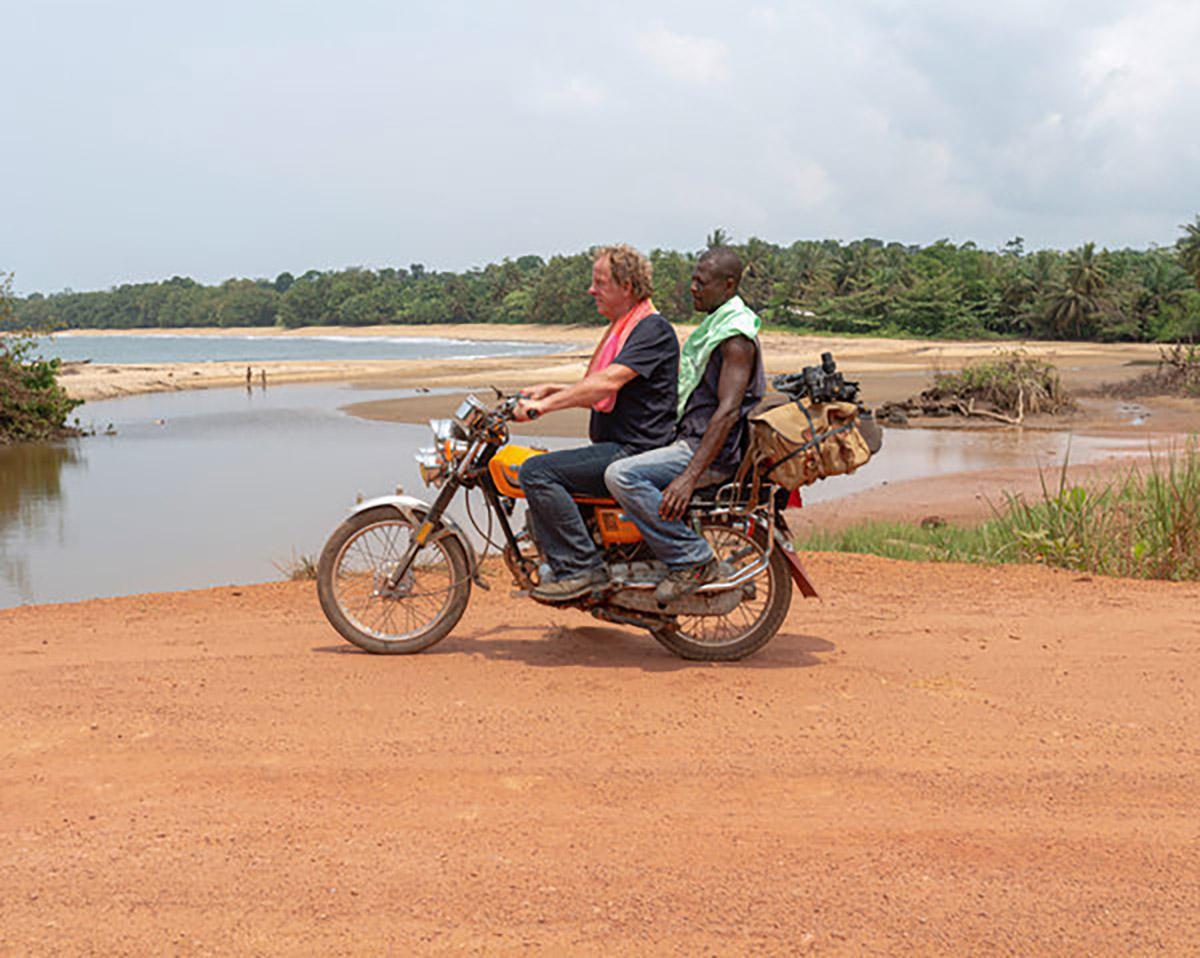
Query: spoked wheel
755, 620
418, 611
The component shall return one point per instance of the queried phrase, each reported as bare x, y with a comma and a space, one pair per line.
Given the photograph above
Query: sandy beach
889, 369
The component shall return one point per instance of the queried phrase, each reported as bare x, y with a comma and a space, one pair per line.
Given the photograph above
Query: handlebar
510, 406
474, 415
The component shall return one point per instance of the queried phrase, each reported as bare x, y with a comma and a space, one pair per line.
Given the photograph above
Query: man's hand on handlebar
526, 409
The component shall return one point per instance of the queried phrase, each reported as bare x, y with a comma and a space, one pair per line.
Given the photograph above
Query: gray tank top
702, 403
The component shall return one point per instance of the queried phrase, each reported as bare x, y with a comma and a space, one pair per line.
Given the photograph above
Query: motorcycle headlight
445, 429
432, 467
470, 411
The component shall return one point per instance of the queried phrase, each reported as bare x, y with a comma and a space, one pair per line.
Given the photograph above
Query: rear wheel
755, 620
418, 611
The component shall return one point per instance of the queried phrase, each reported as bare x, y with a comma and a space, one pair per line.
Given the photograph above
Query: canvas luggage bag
794, 443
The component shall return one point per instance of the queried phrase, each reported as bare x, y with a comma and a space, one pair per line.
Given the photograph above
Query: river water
225, 486
193, 489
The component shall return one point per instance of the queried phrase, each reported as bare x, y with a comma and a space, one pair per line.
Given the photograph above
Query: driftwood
1006, 390
935, 405
970, 410
1177, 374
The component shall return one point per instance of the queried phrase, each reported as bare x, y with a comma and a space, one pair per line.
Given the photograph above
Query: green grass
1146, 524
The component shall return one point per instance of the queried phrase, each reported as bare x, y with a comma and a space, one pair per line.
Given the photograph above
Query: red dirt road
930, 760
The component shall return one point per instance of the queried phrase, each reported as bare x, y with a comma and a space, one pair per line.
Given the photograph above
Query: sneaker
685, 581
572, 587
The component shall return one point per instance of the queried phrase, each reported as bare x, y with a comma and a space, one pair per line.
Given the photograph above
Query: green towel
731, 318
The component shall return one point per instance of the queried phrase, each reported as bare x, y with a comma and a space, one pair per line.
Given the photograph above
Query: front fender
408, 506
415, 510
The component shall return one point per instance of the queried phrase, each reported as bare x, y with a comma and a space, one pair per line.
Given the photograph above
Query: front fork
428, 525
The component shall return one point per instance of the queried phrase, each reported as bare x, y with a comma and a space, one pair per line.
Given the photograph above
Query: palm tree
1163, 282
1076, 304
1188, 246
1087, 272
853, 266
718, 237
809, 270
761, 273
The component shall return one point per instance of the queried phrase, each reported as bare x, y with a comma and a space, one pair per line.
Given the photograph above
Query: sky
143, 140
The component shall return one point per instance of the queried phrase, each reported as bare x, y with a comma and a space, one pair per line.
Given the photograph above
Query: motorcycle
396, 576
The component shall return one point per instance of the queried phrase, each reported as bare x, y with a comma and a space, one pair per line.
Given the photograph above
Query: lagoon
226, 486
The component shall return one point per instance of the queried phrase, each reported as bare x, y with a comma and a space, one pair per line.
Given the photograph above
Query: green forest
866, 286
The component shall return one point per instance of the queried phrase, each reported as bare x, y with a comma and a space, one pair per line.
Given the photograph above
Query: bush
1177, 374
33, 406
1012, 383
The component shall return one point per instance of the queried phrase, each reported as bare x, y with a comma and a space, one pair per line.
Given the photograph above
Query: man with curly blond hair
630, 386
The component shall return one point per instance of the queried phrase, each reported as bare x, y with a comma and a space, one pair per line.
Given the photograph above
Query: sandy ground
928, 760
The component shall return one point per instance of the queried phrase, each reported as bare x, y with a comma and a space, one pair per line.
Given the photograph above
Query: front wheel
755, 620
416, 612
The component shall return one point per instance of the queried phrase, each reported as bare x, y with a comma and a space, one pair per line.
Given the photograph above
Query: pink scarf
612, 343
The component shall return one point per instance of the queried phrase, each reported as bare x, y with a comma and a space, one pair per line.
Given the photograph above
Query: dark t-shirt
702, 403
644, 414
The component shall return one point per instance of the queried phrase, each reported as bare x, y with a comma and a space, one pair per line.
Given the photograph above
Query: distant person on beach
630, 386
721, 379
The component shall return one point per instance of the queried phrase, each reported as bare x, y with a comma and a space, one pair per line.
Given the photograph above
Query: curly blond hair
627, 266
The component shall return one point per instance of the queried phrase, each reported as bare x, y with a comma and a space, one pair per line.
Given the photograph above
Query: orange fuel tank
505, 467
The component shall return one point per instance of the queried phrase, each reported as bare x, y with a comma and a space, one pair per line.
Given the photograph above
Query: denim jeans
548, 481
637, 482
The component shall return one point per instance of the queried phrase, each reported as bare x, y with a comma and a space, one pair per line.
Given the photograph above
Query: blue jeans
637, 482
548, 481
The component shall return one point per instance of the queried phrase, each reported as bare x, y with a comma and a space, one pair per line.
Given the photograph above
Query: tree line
868, 286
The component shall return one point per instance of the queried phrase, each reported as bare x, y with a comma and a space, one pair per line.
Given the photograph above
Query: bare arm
542, 390
588, 390
737, 366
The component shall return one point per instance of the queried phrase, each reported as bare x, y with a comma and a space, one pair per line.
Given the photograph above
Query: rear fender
415, 510
795, 566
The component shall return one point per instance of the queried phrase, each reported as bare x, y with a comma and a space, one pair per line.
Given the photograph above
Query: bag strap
749, 465
815, 441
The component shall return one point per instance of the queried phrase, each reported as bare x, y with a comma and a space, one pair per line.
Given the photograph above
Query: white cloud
684, 57
1141, 67
804, 182
576, 93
